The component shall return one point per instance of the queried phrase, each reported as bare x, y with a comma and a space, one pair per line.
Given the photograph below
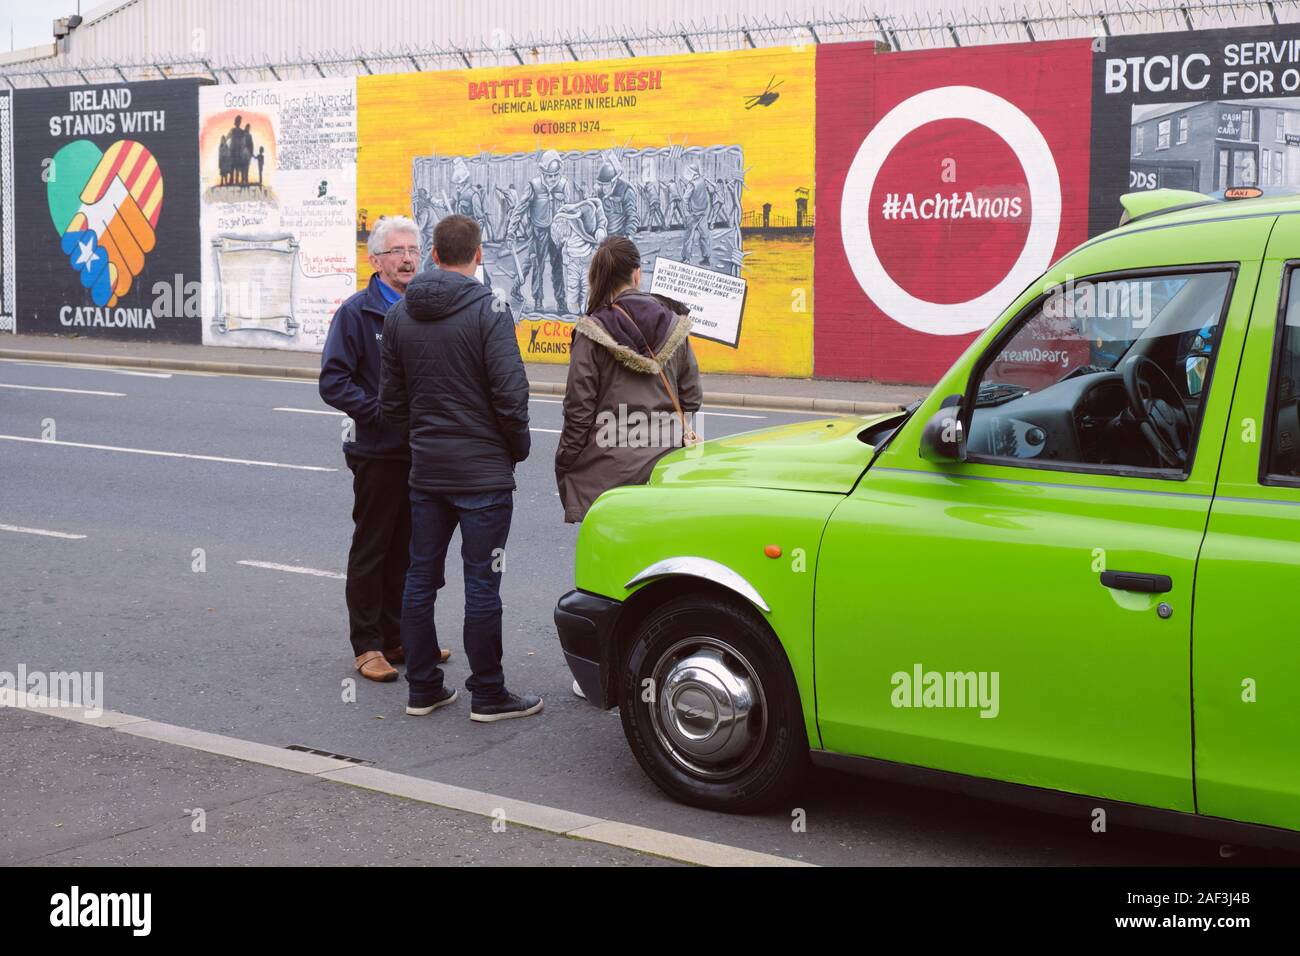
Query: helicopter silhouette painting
766, 98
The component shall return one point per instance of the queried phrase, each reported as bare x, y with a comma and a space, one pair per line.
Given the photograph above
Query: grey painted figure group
555, 225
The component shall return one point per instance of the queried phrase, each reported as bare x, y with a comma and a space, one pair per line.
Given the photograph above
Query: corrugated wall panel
242, 34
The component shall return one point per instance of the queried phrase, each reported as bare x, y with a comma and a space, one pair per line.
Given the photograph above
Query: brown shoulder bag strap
688, 433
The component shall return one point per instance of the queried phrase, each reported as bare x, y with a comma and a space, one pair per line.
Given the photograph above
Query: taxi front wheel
710, 707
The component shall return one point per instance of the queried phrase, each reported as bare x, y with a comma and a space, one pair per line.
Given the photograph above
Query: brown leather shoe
372, 666
396, 655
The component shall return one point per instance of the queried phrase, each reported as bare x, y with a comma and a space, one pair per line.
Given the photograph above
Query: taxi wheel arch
727, 732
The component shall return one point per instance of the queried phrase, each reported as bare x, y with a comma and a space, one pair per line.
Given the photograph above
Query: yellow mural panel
705, 158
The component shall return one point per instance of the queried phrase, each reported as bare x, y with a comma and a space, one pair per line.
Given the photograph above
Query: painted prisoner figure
577, 230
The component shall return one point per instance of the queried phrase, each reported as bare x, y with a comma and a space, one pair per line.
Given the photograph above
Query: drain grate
302, 749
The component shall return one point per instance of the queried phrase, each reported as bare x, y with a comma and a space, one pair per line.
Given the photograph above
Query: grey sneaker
509, 707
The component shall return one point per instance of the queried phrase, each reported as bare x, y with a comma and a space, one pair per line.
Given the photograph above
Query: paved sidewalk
111, 789
79, 796
736, 390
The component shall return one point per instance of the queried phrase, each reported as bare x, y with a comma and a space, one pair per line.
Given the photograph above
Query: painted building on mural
1212, 146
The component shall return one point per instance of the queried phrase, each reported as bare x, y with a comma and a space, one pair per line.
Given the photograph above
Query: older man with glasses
376, 452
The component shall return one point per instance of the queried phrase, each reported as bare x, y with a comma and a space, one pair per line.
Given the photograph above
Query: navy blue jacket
452, 370
349, 375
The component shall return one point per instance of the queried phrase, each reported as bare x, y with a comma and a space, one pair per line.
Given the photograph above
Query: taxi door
1246, 629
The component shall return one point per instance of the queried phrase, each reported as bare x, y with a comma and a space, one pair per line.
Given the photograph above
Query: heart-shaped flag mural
105, 205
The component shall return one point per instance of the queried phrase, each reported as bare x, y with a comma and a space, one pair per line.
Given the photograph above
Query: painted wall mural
106, 197
881, 208
703, 159
278, 165
947, 181
1203, 111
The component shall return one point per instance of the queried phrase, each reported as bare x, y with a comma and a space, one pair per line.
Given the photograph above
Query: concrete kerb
564, 823
791, 403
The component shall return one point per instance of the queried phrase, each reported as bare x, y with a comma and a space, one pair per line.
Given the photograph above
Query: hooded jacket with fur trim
618, 417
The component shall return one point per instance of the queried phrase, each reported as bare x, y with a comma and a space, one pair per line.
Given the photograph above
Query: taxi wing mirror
944, 437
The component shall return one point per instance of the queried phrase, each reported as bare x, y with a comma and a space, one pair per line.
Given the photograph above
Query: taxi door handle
1135, 581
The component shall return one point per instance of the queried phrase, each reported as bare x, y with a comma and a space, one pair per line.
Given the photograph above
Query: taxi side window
1105, 374
1283, 450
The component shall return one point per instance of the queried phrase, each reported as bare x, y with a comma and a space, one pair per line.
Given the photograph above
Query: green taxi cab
1061, 578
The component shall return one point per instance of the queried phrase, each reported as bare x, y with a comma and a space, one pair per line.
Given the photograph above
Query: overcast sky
33, 22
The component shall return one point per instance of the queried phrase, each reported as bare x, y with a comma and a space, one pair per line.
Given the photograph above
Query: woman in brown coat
633, 385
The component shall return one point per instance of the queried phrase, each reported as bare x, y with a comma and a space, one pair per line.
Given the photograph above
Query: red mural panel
947, 181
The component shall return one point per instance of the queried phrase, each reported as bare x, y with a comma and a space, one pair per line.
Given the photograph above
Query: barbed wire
895, 32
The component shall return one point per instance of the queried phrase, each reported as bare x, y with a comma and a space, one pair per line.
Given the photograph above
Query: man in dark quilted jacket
451, 374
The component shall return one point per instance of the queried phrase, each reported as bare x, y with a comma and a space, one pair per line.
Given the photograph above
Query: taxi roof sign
1156, 202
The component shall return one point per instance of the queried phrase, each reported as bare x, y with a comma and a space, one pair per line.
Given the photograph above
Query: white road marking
293, 568
70, 391
165, 454
308, 411
548, 401
90, 367
549, 431
18, 529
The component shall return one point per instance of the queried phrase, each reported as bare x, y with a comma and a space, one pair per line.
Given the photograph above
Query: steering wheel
1167, 427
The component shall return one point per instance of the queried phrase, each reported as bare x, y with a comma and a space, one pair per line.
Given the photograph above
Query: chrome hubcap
709, 712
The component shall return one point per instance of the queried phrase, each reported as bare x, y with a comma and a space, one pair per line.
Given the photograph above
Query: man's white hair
386, 225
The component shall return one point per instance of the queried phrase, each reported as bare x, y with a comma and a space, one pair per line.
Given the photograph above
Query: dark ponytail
611, 268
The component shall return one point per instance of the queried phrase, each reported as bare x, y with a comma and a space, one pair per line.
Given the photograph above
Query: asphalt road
262, 654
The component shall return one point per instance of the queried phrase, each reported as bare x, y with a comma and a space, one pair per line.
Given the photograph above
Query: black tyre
710, 707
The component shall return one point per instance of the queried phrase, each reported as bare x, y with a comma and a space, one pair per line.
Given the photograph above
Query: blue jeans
484, 520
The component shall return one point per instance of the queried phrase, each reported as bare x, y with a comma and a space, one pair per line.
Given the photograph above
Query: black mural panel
1205, 111
106, 208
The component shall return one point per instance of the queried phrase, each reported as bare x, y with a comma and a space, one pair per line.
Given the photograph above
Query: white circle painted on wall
1022, 136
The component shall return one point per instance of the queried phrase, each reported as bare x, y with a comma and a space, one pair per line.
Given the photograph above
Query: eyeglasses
403, 251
